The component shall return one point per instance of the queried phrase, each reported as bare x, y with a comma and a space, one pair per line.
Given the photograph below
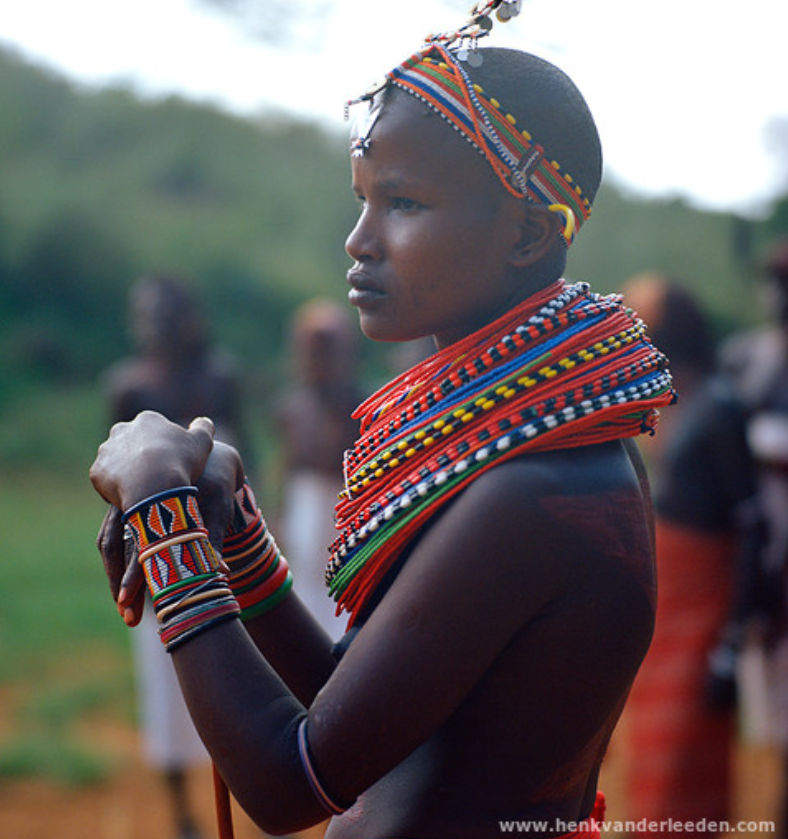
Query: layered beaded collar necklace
565, 368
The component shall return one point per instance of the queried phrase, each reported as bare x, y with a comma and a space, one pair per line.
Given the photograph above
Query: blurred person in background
314, 427
680, 721
757, 361
176, 371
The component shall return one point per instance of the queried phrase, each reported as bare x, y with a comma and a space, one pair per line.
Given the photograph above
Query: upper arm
468, 587
636, 459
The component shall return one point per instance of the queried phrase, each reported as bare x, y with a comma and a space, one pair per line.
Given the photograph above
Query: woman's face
433, 242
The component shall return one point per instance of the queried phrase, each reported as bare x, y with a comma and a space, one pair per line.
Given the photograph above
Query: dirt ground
132, 804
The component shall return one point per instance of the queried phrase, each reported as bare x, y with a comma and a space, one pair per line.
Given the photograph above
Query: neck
524, 299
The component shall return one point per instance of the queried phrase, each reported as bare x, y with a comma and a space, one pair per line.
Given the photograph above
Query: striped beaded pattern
567, 369
191, 606
172, 563
259, 575
181, 568
170, 537
163, 515
436, 77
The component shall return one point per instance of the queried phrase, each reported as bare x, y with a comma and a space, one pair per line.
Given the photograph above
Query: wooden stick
224, 815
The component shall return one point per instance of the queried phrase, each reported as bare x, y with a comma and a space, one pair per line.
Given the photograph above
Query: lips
365, 290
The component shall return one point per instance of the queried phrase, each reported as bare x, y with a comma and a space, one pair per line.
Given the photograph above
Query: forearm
296, 646
281, 627
248, 720
246, 714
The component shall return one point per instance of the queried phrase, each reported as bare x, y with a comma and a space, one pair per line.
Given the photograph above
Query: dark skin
487, 682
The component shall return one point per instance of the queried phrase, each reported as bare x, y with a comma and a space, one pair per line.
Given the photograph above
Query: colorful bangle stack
181, 568
259, 576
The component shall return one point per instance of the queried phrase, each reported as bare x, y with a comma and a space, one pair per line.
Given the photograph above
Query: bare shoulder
531, 535
568, 505
586, 470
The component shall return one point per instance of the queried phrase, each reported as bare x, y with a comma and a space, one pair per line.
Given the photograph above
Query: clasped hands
146, 456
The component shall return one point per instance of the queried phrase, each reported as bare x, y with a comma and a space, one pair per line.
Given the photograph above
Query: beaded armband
181, 569
259, 575
326, 801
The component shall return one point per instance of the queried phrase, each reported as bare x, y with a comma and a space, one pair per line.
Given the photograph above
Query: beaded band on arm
259, 575
188, 589
326, 801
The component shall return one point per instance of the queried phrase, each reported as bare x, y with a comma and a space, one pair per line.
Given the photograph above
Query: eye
404, 204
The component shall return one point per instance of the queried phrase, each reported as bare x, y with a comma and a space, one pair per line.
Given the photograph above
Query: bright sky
682, 90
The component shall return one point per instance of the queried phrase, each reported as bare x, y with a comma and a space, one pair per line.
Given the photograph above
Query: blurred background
205, 139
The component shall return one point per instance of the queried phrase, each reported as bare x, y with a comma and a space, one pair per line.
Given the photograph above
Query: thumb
200, 432
202, 425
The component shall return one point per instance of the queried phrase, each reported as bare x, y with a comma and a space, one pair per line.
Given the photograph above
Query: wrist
178, 504
189, 591
258, 573
138, 491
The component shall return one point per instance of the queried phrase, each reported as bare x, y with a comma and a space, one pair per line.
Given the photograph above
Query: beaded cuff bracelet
170, 537
163, 515
181, 568
259, 575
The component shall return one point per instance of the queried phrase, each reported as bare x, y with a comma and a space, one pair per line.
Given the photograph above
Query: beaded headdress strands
436, 76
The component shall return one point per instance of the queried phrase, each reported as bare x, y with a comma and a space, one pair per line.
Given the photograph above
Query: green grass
64, 655
59, 758
54, 599
65, 659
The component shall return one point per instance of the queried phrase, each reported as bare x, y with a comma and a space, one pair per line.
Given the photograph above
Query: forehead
413, 141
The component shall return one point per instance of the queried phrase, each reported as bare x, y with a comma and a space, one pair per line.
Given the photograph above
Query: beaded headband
435, 76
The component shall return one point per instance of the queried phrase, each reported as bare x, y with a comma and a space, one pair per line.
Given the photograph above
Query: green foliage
99, 188
54, 598
64, 656
55, 426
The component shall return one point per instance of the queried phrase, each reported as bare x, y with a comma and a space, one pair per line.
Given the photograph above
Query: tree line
99, 187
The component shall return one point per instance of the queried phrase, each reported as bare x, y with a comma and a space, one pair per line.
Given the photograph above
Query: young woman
494, 547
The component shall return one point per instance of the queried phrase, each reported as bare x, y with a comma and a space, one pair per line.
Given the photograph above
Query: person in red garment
494, 550
680, 718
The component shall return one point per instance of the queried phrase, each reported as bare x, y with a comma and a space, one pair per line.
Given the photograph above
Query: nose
363, 241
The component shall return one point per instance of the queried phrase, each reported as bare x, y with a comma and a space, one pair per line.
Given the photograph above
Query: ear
539, 230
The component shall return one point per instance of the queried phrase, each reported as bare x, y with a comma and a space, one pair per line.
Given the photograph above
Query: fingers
140, 458
111, 547
126, 580
217, 484
149, 454
216, 517
200, 432
131, 600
